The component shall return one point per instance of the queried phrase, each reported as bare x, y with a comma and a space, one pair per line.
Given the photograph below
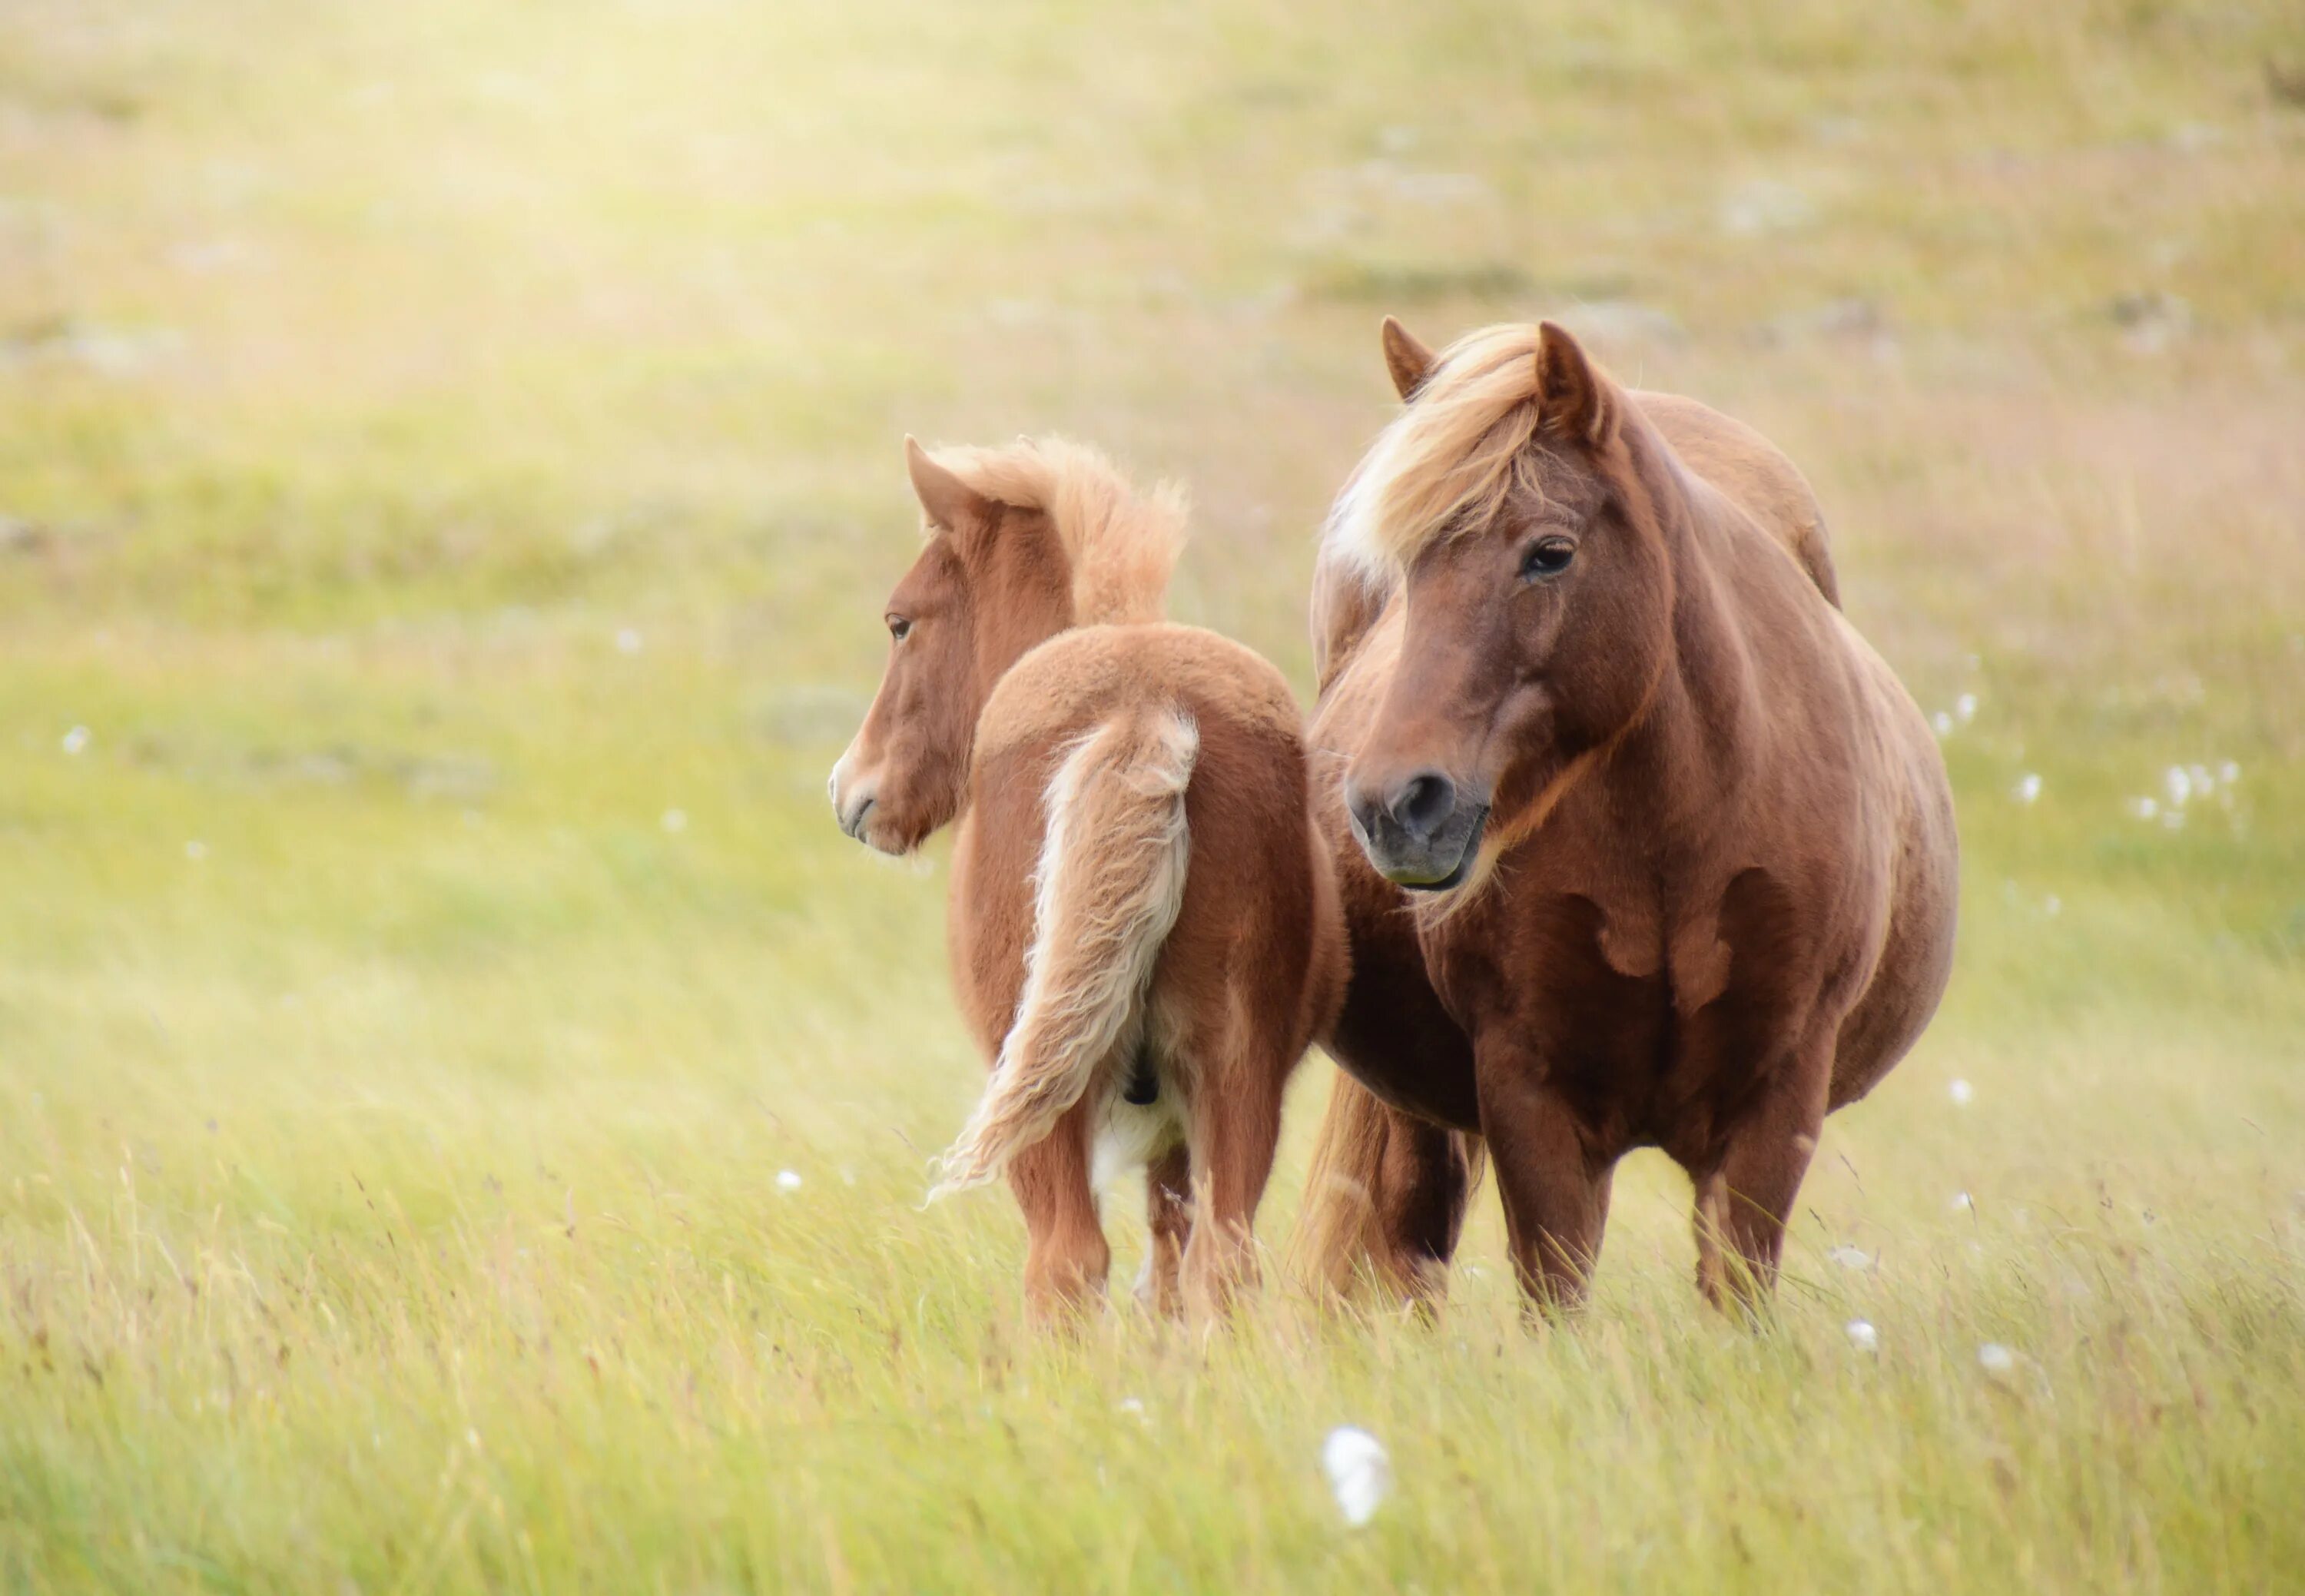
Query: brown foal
1144, 928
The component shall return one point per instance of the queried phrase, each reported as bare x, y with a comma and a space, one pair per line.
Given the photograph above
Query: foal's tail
1111, 879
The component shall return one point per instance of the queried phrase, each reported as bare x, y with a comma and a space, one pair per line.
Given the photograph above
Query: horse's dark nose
1412, 810
1420, 831
1422, 805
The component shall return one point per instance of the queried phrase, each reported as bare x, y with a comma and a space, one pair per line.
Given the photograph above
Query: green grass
393, 1092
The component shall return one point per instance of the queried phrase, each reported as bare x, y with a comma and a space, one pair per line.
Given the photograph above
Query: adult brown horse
1663, 854
1145, 930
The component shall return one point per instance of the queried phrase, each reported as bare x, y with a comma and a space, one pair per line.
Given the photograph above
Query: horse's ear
1572, 398
950, 502
1407, 358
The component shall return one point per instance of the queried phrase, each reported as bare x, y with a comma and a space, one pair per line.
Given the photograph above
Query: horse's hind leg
1234, 1130
1169, 1217
1066, 1257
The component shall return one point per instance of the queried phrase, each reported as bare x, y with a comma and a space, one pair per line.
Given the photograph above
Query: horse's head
1506, 503
991, 582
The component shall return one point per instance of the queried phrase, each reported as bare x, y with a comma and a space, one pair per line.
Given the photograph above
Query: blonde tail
1111, 879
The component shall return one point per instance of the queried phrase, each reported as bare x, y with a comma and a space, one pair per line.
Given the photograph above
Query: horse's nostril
1423, 802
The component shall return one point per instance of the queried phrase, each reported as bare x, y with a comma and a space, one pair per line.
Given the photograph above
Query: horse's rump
1110, 882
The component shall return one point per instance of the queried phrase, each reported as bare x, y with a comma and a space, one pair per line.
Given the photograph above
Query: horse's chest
1652, 1029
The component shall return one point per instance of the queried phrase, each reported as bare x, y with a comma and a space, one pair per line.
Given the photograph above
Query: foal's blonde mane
1121, 547
1448, 461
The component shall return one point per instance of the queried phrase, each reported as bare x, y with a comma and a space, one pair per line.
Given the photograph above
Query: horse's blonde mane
1448, 461
1121, 547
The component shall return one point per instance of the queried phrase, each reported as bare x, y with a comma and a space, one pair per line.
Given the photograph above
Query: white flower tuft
1359, 1472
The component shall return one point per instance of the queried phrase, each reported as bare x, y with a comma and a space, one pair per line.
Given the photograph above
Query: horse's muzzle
1422, 832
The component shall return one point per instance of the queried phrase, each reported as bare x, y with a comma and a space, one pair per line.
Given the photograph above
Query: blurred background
450, 471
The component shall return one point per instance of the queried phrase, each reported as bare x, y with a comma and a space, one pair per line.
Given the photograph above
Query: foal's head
1509, 503
1022, 544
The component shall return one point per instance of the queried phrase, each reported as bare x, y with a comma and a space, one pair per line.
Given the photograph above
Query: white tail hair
1110, 882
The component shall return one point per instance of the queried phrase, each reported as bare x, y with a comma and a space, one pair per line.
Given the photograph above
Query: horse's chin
1467, 858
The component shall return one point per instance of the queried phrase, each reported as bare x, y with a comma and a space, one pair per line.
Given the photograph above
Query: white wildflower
1851, 1258
1862, 1336
1960, 1092
1995, 1359
2144, 808
2178, 783
675, 821
2228, 773
1960, 1203
787, 1179
1134, 1407
1359, 1472
1965, 706
2053, 905
196, 850
2028, 789
77, 739
628, 640
1942, 722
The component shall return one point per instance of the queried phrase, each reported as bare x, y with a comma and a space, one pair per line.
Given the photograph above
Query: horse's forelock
1448, 461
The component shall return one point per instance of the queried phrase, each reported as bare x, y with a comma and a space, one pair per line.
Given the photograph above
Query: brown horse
1640, 843
1144, 929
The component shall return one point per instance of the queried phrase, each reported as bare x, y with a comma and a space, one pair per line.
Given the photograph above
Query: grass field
464, 1108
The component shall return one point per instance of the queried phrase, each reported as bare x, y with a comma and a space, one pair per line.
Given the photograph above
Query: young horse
1684, 848
1143, 925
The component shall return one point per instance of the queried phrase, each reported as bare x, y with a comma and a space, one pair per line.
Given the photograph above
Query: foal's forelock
1119, 546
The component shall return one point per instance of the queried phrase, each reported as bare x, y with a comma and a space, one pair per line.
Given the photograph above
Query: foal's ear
1572, 397
950, 502
1407, 358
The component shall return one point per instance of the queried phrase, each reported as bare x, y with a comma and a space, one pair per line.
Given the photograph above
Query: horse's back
1752, 473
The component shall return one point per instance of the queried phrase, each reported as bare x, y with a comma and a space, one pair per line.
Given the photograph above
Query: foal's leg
1169, 1217
1235, 1131
1066, 1257
1556, 1198
1742, 1204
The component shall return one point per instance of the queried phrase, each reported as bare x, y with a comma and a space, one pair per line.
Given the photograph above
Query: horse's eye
899, 627
1547, 557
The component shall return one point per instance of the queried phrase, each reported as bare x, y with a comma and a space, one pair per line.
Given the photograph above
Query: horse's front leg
1066, 1257
1744, 1200
1556, 1190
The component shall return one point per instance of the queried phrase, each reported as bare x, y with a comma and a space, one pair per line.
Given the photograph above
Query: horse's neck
1694, 740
